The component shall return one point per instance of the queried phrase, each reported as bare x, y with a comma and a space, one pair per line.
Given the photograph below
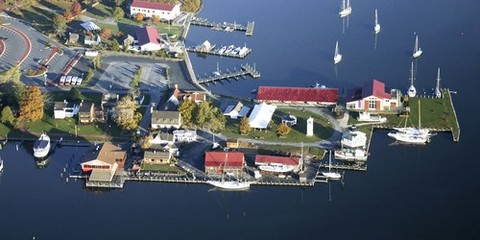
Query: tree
97, 62
76, 8
31, 105
118, 13
59, 23
217, 121
145, 142
75, 95
106, 33
186, 111
11, 93
136, 78
89, 75
156, 19
283, 130
202, 113
244, 126
7, 115
119, 3
68, 15
127, 116
139, 17
116, 46
12, 74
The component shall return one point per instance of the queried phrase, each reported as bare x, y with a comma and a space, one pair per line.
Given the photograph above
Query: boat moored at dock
41, 147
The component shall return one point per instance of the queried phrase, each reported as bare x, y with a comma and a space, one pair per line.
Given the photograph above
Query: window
372, 104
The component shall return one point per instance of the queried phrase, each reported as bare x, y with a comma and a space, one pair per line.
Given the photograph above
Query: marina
223, 51
245, 70
224, 26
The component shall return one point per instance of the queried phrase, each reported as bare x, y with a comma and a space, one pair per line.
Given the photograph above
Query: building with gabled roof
261, 115
373, 97
224, 162
166, 119
148, 39
164, 11
156, 157
104, 161
298, 96
236, 111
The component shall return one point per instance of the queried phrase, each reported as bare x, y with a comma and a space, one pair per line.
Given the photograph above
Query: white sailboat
438, 93
331, 175
215, 144
411, 134
417, 51
346, 9
337, 57
229, 184
1, 164
377, 25
412, 92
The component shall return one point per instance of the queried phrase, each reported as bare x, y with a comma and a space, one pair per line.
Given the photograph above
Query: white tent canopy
261, 115
90, 26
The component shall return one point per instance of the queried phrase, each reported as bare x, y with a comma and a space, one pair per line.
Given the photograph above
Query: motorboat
1, 164
41, 147
367, 117
276, 168
351, 154
417, 51
346, 9
337, 57
229, 49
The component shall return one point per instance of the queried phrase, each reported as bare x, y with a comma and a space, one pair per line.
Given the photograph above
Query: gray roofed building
166, 119
156, 157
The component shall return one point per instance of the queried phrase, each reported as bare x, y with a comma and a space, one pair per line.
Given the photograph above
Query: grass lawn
100, 12
166, 168
40, 17
321, 129
285, 150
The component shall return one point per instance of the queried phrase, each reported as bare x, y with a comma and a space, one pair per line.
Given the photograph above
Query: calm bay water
429, 192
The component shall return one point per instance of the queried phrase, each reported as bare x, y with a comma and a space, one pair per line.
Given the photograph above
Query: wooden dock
224, 26
246, 70
353, 167
215, 51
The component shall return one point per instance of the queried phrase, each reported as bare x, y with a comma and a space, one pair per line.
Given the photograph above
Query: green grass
100, 12
161, 168
286, 150
322, 129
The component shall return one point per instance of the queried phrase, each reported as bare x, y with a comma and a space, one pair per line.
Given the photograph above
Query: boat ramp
224, 26
245, 70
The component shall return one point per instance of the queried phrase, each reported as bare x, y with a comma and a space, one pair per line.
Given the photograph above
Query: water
426, 192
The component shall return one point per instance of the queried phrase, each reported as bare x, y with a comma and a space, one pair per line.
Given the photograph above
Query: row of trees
203, 115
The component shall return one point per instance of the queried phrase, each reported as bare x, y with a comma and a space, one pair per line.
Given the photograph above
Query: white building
184, 136
62, 110
353, 139
261, 115
164, 11
236, 111
148, 39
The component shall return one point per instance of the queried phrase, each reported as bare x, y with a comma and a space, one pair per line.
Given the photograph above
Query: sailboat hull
417, 54
230, 185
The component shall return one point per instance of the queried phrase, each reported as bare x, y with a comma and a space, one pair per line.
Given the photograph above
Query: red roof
375, 88
298, 94
217, 159
276, 159
152, 5
147, 35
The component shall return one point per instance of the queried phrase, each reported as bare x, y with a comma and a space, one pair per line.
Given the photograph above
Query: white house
354, 139
164, 11
148, 39
372, 97
62, 110
236, 111
185, 136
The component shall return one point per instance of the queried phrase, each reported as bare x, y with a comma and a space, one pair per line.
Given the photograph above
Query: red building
373, 97
224, 162
298, 96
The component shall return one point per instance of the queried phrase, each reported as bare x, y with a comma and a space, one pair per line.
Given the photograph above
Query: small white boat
229, 49
41, 147
377, 25
1, 164
276, 167
351, 154
367, 117
417, 51
222, 50
331, 175
410, 134
337, 57
412, 92
346, 9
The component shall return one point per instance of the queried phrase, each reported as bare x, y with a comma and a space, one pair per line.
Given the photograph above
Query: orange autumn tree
76, 8
31, 104
139, 17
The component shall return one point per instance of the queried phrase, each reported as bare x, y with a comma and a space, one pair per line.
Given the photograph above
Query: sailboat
412, 92
331, 175
410, 134
215, 144
438, 93
1, 164
377, 25
417, 51
337, 57
229, 184
346, 9
217, 72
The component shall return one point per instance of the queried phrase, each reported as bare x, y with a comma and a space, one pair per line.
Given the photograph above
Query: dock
353, 167
224, 26
242, 53
218, 76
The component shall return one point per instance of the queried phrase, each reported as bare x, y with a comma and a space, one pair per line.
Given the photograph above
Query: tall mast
376, 17
437, 89
416, 44
411, 75
344, 5
419, 116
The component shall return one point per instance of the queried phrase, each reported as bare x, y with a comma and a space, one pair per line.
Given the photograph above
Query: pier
241, 53
224, 26
246, 70
352, 167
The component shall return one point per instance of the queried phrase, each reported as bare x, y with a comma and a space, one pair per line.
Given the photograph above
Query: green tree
136, 78
97, 62
202, 113
12, 74
31, 105
116, 46
127, 116
68, 15
75, 95
244, 126
283, 130
217, 121
186, 109
11, 93
139, 17
7, 115
118, 13
145, 142
59, 23
119, 3
89, 75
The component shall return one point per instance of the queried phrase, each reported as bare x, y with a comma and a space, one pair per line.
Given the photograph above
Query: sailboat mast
344, 5
376, 17
416, 44
411, 75
437, 88
336, 49
419, 116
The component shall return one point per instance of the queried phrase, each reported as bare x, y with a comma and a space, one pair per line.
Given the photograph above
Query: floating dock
218, 76
224, 26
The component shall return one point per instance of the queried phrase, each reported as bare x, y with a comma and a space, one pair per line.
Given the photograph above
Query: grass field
322, 129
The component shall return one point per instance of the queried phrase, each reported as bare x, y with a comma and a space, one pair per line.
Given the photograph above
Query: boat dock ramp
224, 26
218, 76
223, 51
